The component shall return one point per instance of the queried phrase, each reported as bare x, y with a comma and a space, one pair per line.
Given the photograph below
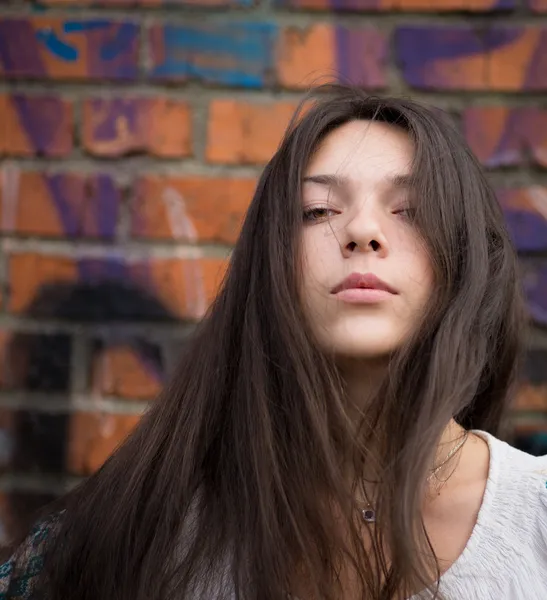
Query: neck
361, 390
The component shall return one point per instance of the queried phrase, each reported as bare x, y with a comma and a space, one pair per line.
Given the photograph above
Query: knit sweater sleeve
19, 574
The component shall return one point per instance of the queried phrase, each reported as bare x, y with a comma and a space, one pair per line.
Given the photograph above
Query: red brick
245, 133
29, 272
59, 48
158, 126
5, 339
467, 58
185, 286
94, 437
35, 125
538, 5
324, 52
190, 208
400, 5
147, 3
504, 136
531, 398
60, 205
120, 371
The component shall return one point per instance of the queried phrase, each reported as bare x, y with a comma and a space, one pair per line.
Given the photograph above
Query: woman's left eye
406, 212
318, 213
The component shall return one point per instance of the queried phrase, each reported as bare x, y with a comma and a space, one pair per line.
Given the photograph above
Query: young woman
330, 431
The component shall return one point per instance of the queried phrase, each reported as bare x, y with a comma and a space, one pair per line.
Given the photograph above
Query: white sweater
506, 556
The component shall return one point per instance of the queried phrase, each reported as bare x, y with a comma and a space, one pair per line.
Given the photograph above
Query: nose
364, 232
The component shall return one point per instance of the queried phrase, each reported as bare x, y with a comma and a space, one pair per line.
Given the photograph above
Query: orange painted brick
538, 5
504, 136
94, 437
60, 205
120, 371
190, 208
500, 58
531, 398
185, 286
245, 133
400, 5
447, 5
325, 52
49, 47
5, 338
28, 272
35, 125
158, 126
148, 3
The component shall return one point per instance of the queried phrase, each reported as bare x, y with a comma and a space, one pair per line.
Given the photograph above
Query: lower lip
363, 296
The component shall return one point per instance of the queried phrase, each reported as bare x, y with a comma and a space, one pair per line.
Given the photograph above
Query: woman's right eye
318, 213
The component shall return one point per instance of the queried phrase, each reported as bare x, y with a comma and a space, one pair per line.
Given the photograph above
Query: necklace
369, 514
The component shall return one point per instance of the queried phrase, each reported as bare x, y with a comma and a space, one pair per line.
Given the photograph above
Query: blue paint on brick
82, 26
234, 54
56, 46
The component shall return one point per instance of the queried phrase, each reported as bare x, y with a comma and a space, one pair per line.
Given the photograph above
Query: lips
366, 281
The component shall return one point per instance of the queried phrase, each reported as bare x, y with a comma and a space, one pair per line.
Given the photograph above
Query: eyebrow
400, 181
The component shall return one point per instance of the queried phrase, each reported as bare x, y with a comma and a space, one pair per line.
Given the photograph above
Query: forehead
364, 151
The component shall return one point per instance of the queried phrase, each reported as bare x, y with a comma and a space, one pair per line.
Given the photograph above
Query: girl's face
366, 273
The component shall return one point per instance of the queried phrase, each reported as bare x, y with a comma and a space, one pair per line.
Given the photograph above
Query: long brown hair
224, 490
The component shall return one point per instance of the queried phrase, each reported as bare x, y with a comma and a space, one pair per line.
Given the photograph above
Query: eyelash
310, 214
407, 213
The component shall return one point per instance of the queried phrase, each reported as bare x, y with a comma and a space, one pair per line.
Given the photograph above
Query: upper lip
363, 281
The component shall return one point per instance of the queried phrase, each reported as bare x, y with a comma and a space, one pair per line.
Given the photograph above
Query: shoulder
19, 574
516, 493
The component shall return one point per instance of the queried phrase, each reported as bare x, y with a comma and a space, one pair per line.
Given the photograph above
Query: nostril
352, 246
374, 245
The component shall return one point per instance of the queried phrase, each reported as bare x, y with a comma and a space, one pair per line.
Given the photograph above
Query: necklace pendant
369, 515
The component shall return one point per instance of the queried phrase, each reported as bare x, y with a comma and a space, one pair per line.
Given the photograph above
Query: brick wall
131, 135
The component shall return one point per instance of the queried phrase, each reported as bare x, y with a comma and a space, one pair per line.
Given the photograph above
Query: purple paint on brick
361, 55
110, 111
341, 5
41, 118
535, 288
512, 138
526, 220
65, 210
99, 205
115, 51
508, 146
536, 75
419, 47
95, 270
106, 202
498, 37
19, 52
528, 230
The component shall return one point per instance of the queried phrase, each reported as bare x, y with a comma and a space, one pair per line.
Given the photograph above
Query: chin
364, 340
360, 351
